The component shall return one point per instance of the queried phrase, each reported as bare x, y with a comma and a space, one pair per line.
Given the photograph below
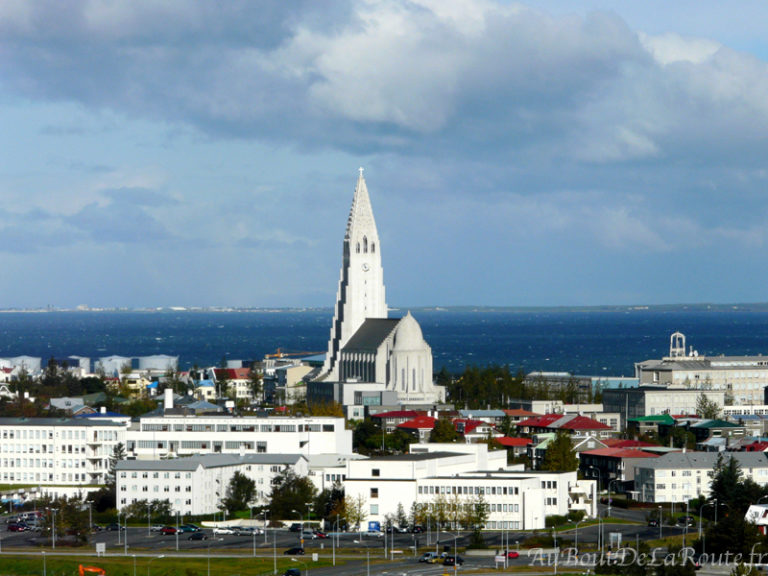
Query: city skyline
542, 154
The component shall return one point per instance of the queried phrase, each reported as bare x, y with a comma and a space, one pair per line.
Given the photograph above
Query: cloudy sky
553, 153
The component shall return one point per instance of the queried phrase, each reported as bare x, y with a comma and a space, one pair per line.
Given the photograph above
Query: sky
555, 153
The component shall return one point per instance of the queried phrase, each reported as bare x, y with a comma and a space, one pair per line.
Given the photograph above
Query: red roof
564, 422
232, 373
421, 422
620, 453
757, 446
513, 442
623, 443
469, 425
398, 414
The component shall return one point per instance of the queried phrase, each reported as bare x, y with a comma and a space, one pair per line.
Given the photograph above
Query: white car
375, 533
223, 530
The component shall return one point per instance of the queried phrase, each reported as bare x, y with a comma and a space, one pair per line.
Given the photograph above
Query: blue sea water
586, 342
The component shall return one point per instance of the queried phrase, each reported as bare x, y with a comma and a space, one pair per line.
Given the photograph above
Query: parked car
320, 534
223, 530
453, 560
294, 552
247, 531
428, 557
188, 528
168, 530
198, 536
653, 523
114, 527
156, 527
417, 530
17, 527
295, 527
375, 533
292, 572
396, 530
512, 554
685, 521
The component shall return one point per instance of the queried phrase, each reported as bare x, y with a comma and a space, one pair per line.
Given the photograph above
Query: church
372, 359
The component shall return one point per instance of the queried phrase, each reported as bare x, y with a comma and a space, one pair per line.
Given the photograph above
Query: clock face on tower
365, 267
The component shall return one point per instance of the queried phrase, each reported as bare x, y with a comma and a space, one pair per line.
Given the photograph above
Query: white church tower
361, 284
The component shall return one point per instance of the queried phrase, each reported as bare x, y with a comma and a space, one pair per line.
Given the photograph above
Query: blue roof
206, 383
101, 415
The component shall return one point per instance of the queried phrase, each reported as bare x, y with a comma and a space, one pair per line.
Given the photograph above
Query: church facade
371, 358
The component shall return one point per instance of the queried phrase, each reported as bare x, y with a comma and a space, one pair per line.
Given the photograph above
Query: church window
365, 244
373, 247
358, 248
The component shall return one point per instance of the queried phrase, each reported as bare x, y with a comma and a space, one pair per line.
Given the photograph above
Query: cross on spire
361, 171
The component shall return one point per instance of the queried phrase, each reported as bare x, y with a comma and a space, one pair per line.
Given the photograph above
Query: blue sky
552, 153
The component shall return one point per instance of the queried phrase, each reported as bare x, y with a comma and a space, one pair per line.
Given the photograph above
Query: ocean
591, 341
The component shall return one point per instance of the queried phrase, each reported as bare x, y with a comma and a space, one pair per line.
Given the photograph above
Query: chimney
168, 401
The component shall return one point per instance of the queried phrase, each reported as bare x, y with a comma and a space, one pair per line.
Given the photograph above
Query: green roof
658, 418
714, 424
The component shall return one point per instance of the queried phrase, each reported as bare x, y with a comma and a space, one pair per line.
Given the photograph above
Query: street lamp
265, 525
301, 531
125, 536
177, 531
306, 566
367, 558
90, 515
576, 540
134, 564
455, 550
609, 494
149, 518
45, 571
661, 521
150, 561
53, 528
209, 553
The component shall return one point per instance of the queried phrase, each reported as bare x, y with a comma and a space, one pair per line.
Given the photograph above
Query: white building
58, 452
158, 436
681, 476
366, 346
656, 400
516, 499
196, 485
741, 378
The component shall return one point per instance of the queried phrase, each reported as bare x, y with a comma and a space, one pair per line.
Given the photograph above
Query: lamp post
274, 552
90, 515
661, 522
148, 563
455, 554
149, 519
45, 570
209, 553
125, 536
301, 531
701, 508
367, 558
609, 494
177, 531
306, 566
134, 564
53, 528
119, 530
334, 535
265, 525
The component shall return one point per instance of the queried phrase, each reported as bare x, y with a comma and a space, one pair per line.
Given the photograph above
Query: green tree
290, 492
400, 516
707, 408
240, 492
444, 431
560, 455
256, 383
357, 511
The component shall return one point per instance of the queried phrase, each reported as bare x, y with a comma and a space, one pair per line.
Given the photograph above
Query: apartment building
57, 452
196, 485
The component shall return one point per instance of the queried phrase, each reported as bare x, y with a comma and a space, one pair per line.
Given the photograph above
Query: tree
401, 517
560, 455
290, 494
118, 454
444, 431
255, 383
356, 510
240, 492
476, 515
707, 408
326, 504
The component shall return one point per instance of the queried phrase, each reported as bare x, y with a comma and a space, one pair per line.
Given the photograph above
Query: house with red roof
475, 430
574, 424
518, 414
421, 426
517, 446
613, 465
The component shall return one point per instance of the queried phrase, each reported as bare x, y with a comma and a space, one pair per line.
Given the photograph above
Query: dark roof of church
371, 334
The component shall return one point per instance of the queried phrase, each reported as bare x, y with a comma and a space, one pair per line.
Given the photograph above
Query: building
681, 476
456, 475
368, 352
741, 379
573, 424
645, 400
62, 455
196, 485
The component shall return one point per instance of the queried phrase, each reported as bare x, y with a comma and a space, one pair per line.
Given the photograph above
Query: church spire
361, 291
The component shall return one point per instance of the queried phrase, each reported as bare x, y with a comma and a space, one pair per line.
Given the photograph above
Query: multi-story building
60, 454
164, 436
681, 476
196, 485
633, 403
740, 378
460, 474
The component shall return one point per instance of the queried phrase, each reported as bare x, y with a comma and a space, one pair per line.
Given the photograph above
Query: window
374, 493
376, 472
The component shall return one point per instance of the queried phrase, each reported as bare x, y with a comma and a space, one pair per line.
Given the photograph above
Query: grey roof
371, 334
708, 363
63, 422
417, 457
703, 460
482, 413
208, 461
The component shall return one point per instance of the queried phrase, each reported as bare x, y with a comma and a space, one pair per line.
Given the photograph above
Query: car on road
223, 530
374, 533
512, 554
198, 536
189, 528
295, 527
308, 533
685, 521
417, 530
292, 572
451, 560
653, 523
156, 527
246, 531
296, 551
320, 534
428, 557
114, 527
169, 530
